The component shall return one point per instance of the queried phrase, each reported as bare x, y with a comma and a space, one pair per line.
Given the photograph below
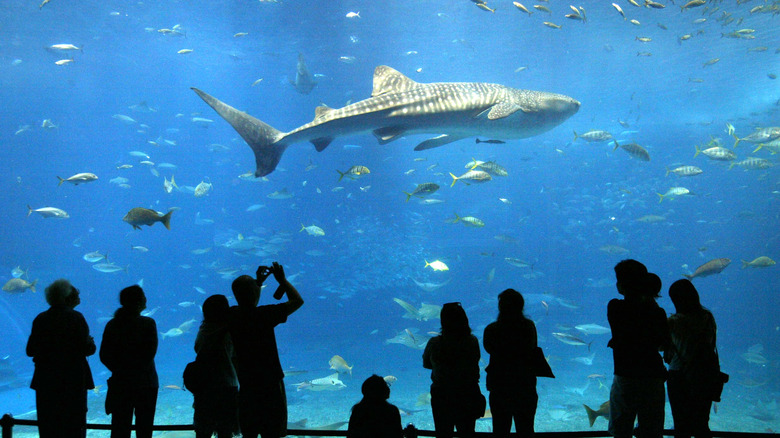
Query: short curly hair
58, 292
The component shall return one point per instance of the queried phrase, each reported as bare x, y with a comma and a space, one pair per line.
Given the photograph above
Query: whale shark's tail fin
261, 137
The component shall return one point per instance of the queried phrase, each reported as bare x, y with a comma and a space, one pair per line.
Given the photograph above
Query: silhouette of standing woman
691, 358
511, 341
453, 357
59, 344
216, 405
127, 350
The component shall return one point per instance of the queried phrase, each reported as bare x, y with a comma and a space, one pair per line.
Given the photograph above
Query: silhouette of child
374, 416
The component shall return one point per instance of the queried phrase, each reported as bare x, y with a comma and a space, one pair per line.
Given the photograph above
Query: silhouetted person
216, 405
262, 400
128, 348
374, 416
639, 331
510, 341
453, 358
59, 344
692, 359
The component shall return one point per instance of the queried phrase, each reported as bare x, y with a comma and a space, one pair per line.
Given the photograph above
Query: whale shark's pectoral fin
501, 110
321, 143
437, 141
387, 134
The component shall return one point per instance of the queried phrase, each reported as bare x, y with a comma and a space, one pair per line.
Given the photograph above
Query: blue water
568, 198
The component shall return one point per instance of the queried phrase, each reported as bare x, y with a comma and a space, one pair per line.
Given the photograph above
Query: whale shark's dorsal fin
390, 80
321, 110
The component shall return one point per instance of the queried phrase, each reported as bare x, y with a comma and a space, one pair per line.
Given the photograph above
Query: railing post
409, 432
7, 423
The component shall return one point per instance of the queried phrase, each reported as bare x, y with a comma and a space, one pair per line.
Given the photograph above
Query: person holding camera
262, 401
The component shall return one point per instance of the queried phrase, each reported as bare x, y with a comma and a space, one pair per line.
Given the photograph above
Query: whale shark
399, 106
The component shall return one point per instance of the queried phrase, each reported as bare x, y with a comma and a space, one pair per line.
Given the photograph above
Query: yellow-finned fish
437, 265
312, 230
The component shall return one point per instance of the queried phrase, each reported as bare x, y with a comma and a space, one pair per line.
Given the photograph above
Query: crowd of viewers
243, 389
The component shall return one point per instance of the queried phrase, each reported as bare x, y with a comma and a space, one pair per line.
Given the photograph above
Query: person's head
631, 277
215, 309
653, 285
133, 299
375, 388
454, 321
684, 296
246, 291
62, 294
510, 305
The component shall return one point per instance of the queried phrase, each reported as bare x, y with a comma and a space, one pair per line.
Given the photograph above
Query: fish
202, 189
280, 194
127, 120
304, 82
571, 340
752, 163
19, 285
422, 190
172, 333
184, 51
493, 168
17, 272
594, 136
63, 47
354, 172
470, 221
109, 268
353, 14
592, 329
692, 4
490, 141
762, 135
475, 176
48, 212
717, 153
95, 256
634, 150
409, 338
430, 287
685, 171
399, 106
712, 267
330, 383
603, 411
437, 265
340, 365
517, 262
312, 230
143, 216
673, 192
759, 262
169, 185
520, 6
620, 10
78, 179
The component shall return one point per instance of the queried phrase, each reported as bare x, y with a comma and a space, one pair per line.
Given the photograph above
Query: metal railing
7, 423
